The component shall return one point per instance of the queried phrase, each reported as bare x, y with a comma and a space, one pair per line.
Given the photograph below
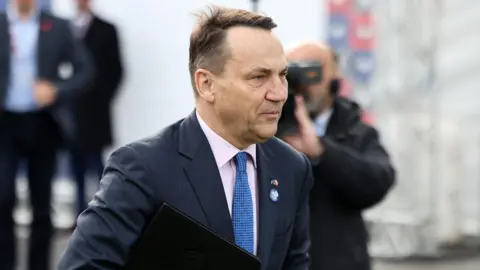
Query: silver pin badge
274, 195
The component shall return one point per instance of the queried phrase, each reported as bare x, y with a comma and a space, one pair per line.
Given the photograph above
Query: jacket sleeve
362, 178
114, 219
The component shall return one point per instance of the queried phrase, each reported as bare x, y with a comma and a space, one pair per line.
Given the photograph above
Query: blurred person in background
92, 107
352, 170
33, 47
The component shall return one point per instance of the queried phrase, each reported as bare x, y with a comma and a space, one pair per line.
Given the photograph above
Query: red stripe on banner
339, 6
362, 32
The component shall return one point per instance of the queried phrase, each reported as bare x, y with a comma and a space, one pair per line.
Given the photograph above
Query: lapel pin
46, 25
274, 195
274, 182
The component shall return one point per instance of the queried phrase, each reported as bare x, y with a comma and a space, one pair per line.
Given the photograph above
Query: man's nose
278, 92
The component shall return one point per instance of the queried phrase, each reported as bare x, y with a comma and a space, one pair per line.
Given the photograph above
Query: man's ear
204, 84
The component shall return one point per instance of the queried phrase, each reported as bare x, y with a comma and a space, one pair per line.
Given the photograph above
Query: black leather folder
174, 241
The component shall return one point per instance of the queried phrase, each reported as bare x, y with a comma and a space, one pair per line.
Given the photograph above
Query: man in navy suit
220, 165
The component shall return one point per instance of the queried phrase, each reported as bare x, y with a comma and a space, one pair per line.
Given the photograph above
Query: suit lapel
267, 208
204, 176
5, 54
90, 30
5, 41
45, 41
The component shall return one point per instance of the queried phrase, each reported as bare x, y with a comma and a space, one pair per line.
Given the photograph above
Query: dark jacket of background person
93, 107
353, 174
54, 34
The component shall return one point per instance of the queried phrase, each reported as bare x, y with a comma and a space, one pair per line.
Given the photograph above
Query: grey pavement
465, 264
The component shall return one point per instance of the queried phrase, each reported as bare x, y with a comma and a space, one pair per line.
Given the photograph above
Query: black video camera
300, 74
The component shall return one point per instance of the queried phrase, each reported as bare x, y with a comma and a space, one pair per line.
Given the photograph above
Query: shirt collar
323, 119
222, 150
83, 19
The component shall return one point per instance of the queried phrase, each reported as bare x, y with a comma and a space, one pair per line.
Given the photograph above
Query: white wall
155, 35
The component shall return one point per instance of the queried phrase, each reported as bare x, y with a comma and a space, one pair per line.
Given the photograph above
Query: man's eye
258, 77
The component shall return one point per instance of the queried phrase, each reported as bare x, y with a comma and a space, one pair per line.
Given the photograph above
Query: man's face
24, 5
83, 4
318, 96
251, 91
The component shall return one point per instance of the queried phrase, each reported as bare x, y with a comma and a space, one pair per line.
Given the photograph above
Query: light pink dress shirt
224, 154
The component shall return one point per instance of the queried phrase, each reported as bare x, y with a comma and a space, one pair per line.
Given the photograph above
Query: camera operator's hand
306, 141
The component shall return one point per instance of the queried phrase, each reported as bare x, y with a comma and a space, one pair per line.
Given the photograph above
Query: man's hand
306, 141
45, 93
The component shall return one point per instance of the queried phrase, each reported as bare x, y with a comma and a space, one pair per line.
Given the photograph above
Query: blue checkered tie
242, 210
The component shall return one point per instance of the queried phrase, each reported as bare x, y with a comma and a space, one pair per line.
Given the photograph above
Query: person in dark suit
92, 108
220, 165
33, 46
352, 170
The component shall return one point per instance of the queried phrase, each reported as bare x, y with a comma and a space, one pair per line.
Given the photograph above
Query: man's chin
266, 132
314, 109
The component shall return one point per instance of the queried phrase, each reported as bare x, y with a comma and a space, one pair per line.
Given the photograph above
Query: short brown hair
206, 41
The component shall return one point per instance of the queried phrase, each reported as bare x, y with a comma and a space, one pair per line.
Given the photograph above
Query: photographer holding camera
352, 170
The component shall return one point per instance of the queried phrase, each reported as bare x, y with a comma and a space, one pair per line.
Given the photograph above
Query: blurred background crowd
412, 65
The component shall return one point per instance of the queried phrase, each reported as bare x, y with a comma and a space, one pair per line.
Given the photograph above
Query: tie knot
241, 161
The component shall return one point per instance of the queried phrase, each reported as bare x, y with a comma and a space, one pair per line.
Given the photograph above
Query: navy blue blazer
178, 166
56, 45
